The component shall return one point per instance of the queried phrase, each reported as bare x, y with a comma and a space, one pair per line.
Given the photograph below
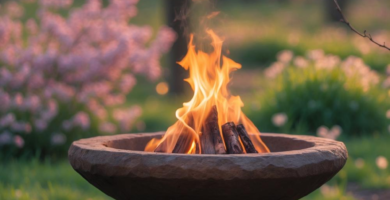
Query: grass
255, 44
33, 179
25, 180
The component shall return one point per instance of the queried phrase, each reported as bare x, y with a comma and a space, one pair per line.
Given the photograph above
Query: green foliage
32, 179
313, 97
366, 150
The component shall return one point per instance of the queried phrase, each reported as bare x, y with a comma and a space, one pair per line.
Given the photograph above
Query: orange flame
209, 81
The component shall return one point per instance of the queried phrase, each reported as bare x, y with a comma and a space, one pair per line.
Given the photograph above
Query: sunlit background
71, 70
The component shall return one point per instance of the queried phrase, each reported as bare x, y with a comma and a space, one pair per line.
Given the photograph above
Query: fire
209, 75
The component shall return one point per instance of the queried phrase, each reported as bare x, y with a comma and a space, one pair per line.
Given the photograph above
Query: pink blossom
5, 138
32, 103
5, 101
58, 139
81, 119
18, 100
19, 142
65, 62
14, 9
7, 120
67, 125
40, 125
32, 26
107, 127
5, 76
125, 117
21, 127
127, 83
56, 3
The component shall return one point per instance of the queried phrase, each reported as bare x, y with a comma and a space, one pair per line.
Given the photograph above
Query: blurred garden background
71, 70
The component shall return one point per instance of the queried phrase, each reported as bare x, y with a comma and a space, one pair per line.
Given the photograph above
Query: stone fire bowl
119, 167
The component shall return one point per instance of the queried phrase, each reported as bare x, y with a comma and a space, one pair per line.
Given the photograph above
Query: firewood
161, 148
211, 140
206, 138
230, 136
246, 141
184, 143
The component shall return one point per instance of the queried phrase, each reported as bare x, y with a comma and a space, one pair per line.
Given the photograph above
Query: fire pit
213, 151
119, 166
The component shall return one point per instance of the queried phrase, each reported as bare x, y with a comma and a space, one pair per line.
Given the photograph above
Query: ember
211, 111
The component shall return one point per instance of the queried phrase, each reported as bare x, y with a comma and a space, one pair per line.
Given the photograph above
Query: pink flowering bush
63, 78
322, 94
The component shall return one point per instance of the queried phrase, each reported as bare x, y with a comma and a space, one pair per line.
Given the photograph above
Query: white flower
329, 191
322, 131
381, 162
279, 119
333, 133
285, 56
274, 70
316, 54
301, 62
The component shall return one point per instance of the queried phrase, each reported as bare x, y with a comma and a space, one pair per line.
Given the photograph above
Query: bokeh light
381, 162
162, 88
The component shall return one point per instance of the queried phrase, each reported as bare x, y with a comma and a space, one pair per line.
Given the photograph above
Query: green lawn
264, 30
20, 179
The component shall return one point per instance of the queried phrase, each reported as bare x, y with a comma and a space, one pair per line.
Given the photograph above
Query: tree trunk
175, 8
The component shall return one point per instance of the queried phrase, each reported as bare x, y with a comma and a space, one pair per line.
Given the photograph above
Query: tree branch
364, 34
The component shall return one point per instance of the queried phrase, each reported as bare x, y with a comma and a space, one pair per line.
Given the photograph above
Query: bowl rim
92, 155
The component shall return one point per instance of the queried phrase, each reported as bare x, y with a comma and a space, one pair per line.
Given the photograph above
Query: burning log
230, 136
246, 141
162, 148
211, 140
184, 144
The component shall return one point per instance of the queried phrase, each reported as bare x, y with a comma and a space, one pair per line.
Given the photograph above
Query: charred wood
246, 141
230, 135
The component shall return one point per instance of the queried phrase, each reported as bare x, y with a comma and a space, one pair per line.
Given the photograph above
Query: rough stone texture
296, 166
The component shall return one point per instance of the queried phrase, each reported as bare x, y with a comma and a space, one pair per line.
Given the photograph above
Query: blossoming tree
64, 75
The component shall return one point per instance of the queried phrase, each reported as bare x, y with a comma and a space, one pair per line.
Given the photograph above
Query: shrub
64, 78
320, 90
